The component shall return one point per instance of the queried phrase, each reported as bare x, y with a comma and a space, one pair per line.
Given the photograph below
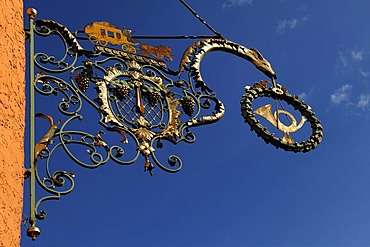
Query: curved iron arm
191, 60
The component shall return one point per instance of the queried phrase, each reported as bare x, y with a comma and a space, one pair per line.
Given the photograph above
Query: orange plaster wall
12, 120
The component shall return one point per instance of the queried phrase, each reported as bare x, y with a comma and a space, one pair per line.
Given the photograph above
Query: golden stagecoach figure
103, 33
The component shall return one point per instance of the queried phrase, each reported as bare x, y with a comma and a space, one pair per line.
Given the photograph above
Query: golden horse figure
159, 52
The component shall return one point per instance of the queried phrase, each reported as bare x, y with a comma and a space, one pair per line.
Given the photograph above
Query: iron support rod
201, 19
31, 121
273, 82
175, 37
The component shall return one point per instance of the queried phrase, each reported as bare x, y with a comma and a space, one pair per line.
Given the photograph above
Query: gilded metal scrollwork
138, 100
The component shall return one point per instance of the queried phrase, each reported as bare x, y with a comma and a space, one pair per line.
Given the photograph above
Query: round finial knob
31, 12
33, 232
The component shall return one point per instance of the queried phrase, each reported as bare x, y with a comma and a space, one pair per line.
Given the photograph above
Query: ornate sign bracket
138, 101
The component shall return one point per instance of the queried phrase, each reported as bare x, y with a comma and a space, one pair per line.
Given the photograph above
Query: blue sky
233, 189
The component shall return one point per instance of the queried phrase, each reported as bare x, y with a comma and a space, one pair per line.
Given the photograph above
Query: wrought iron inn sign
140, 100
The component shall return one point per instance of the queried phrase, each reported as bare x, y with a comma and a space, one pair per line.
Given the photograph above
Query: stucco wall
12, 117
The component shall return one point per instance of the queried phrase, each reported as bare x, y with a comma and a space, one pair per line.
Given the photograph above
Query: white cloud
365, 74
341, 60
341, 94
356, 55
231, 3
286, 24
303, 96
363, 101
305, 18
291, 24
352, 61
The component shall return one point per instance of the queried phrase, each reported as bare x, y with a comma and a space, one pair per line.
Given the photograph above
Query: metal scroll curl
191, 61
